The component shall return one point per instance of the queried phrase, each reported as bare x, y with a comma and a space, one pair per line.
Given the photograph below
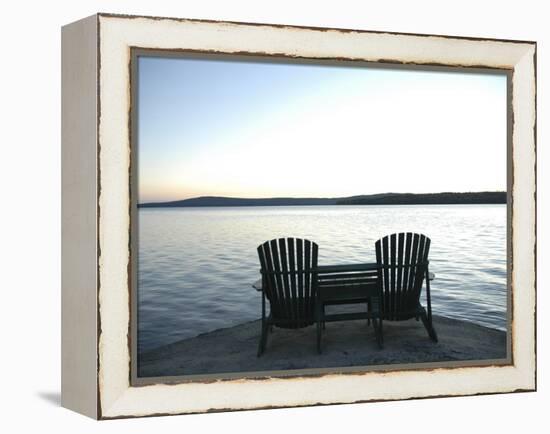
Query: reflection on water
196, 265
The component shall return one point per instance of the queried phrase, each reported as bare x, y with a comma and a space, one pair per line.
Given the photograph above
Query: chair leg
429, 327
319, 337
377, 323
368, 311
263, 339
260, 344
380, 334
375, 309
319, 320
265, 327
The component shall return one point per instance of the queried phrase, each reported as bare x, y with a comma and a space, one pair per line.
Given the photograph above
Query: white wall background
30, 217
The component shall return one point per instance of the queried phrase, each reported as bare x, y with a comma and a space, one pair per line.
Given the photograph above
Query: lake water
197, 265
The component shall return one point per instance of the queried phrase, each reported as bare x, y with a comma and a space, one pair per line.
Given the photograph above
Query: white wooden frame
96, 378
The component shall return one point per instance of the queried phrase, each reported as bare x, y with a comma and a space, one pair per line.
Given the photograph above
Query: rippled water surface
196, 265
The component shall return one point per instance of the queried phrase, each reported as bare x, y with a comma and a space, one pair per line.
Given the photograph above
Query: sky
212, 127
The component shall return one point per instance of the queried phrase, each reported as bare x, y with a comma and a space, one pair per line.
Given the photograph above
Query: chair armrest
431, 276
257, 285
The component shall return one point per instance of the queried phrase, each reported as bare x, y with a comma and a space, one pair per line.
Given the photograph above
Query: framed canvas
262, 216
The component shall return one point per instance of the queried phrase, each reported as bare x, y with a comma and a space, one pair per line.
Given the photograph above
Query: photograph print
297, 217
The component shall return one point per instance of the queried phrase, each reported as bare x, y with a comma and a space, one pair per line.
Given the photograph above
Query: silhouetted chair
403, 266
288, 274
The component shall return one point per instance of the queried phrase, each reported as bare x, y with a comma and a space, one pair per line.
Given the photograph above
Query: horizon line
315, 197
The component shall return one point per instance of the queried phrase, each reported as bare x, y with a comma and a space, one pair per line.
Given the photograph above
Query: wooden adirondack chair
288, 275
403, 266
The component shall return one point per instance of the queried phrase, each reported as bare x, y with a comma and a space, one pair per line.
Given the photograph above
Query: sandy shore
348, 343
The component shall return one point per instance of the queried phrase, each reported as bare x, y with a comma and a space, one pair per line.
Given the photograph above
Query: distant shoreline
446, 198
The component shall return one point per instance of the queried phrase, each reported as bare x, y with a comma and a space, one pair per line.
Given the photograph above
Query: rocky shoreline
345, 344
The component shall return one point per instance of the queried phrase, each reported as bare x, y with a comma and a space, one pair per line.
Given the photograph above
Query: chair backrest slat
386, 260
403, 259
279, 279
407, 262
300, 267
414, 259
292, 276
307, 277
392, 274
284, 278
400, 270
312, 295
287, 266
268, 279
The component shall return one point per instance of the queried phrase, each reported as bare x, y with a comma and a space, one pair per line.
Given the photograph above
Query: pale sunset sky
210, 127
